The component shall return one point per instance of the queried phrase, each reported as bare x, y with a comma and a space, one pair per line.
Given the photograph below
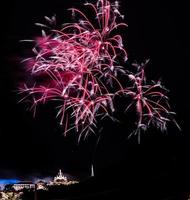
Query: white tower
92, 170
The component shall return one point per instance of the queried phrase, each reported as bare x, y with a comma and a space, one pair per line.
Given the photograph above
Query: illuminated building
60, 179
41, 185
24, 185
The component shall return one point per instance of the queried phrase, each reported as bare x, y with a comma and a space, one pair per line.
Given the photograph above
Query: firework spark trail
78, 68
151, 102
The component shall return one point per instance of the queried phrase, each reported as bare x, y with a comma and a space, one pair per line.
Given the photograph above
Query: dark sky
157, 30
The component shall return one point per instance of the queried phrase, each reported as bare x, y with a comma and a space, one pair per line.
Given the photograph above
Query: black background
35, 147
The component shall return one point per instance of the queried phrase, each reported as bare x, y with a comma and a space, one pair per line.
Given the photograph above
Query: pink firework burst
149, 100
77, 66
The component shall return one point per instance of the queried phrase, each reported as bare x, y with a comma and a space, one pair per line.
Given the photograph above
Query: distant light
8, 181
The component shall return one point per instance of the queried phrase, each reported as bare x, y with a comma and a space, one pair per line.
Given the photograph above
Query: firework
149, 100
77, 67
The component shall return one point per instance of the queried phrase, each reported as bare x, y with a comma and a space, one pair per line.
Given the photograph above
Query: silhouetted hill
110, 185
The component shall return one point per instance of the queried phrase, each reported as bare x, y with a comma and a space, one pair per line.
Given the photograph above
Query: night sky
36, 147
